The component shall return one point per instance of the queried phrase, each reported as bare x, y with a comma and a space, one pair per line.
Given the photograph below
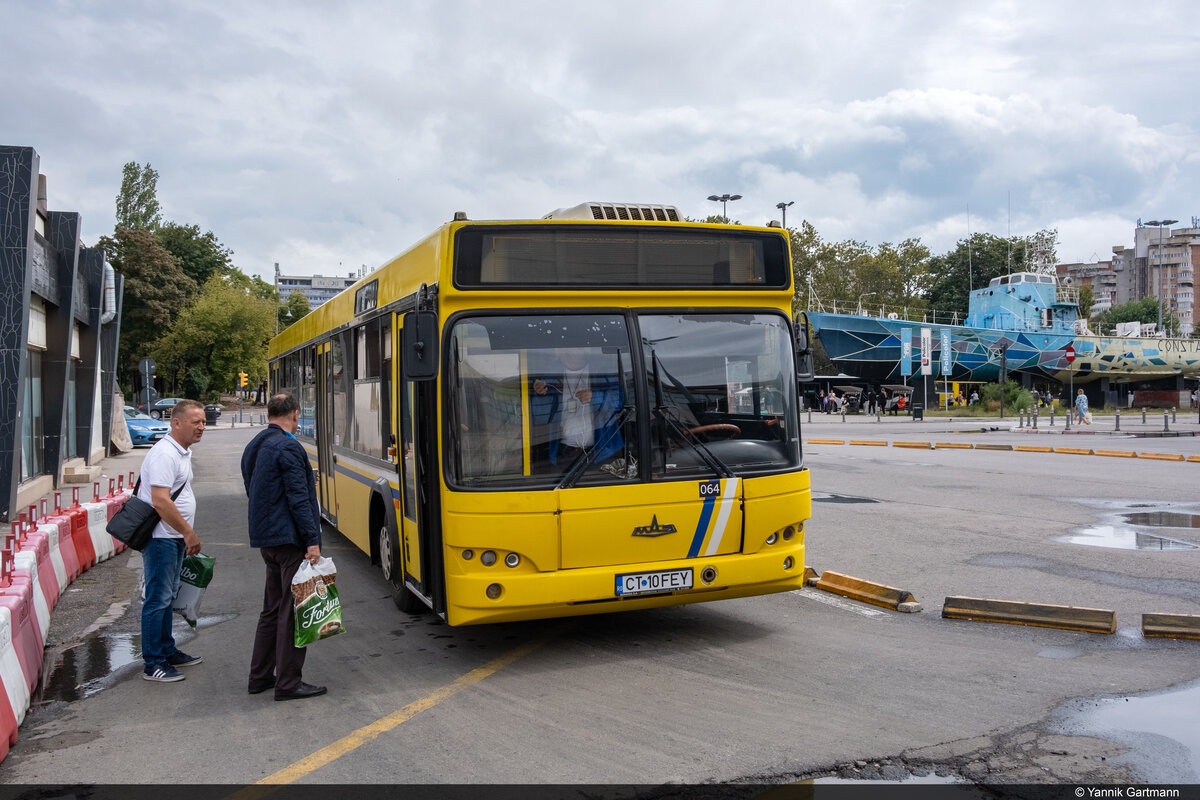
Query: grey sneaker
182, 659
164, 673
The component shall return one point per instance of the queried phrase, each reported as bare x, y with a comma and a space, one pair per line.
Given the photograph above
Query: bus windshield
549, 400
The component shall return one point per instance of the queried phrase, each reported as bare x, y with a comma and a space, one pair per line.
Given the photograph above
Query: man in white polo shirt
166, 483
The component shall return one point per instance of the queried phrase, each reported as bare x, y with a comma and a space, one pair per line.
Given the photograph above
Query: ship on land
1026, 318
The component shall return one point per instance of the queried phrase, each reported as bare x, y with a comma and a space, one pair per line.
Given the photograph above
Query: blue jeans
161, 562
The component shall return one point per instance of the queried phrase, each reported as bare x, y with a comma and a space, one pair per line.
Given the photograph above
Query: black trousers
274, 650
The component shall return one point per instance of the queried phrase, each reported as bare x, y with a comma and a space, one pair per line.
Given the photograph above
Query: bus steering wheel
729, 431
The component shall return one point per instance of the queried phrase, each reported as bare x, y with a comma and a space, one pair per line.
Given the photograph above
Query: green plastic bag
194, 577
318, 607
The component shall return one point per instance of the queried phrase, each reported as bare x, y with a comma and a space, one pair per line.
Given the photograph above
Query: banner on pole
947, 360
926, 351
906, 352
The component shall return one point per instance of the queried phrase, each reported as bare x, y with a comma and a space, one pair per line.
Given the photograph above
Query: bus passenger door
327, 491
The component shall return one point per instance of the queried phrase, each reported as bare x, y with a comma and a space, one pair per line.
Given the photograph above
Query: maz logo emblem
654, 529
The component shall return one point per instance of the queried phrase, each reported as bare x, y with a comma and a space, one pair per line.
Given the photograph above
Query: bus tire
389, 559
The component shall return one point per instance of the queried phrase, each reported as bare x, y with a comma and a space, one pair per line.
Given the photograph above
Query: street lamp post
1160, 224
783, 207
860, 299
723, 199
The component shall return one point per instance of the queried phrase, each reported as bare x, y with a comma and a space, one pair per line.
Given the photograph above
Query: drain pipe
109, 312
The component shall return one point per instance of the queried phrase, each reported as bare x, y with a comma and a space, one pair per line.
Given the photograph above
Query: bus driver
583, 410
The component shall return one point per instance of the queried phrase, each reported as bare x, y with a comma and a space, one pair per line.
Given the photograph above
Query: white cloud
317, 134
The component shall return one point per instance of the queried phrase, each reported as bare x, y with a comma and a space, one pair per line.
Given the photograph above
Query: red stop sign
1069, 354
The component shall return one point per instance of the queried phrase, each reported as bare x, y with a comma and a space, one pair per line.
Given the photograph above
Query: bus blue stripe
702, 526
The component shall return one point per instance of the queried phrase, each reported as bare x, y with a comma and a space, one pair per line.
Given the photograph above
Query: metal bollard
1037, 412
1020, 418
1051, 416
1165, 426
1069, 415
1118, 418
810, 415
843, 413
1172, 415
1143, 415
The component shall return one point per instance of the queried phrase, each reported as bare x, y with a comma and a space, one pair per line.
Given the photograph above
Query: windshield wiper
719, 467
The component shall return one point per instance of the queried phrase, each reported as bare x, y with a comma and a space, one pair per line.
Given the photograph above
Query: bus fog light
494, 591
511, 560
788, 533
487, 558
708, 574
772, 539
788, 563
468, 555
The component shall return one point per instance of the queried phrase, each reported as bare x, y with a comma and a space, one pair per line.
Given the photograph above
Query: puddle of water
824, 497
1160, 729
1124, 539
1059, 652
1163, 519
81, 671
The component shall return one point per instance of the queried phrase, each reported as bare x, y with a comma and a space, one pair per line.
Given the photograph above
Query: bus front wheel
389, 559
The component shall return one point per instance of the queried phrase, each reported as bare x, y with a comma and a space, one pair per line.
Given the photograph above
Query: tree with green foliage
137, 202
974, 262
225, 331
201, 255
156, 290
294, 309
1087, 299
1143, 311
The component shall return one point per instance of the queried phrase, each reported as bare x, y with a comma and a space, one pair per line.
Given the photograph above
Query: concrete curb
877, 594
1162, 456
1072, 618
914, 445
1171, 626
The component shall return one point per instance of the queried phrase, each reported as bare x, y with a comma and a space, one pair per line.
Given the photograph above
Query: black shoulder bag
134, 522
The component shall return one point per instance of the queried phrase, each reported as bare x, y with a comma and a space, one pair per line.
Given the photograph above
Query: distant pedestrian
1081, 408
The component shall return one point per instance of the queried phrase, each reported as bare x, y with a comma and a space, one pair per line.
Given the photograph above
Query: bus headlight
788, 533
788, 563
494, 591
772, 539
468, 555
487, 558
511, 560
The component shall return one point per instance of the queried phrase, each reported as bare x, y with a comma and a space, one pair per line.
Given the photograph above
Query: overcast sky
325, 135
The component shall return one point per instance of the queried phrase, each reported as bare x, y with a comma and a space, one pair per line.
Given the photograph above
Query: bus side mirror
419, 344
804, 356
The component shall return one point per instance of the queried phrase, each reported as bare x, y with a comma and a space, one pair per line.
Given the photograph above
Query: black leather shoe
256, 687
300, 692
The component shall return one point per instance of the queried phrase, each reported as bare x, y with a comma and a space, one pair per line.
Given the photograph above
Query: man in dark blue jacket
285, 525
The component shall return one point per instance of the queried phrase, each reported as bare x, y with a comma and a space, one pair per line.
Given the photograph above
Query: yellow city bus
572, 415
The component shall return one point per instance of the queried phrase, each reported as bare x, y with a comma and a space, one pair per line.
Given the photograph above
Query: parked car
161, 408
143, 429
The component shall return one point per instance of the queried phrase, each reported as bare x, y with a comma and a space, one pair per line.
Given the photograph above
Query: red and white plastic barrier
16, 594
57, 564
81, 534
66, 543
34, 546
12, 680
97, 516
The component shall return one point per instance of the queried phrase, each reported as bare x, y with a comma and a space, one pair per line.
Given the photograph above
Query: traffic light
243, 379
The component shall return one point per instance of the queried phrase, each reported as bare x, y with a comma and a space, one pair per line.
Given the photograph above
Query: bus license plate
667, 580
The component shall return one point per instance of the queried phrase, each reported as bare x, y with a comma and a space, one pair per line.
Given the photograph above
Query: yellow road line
914, 445
368, 733
826, 441
953, 446
869, 442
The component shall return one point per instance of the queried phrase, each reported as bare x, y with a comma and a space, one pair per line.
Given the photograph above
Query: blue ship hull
870, 348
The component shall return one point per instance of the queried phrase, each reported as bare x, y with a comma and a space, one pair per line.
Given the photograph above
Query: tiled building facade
59, 333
